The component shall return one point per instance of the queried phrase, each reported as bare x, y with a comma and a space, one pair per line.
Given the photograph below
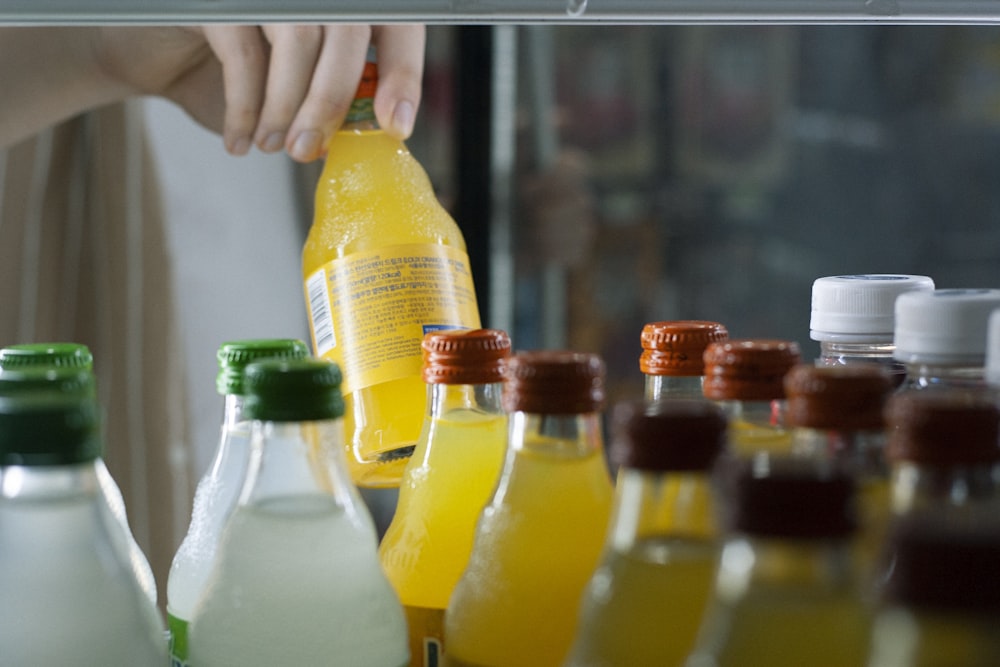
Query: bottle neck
765, 414
673, 386
661, 504
850, 354
443, 399
232, 411
941, 376
361, 116
30, 483
915, 486
567, 436
862, 451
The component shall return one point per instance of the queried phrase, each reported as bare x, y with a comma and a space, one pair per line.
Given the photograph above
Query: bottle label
178, 641
369, 311
426, 628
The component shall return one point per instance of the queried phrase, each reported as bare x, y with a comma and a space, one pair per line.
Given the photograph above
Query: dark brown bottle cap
843, 398
460, 356
748, 369
677, 347
788, 498
673, 434
944, 562
943, 428
554, 382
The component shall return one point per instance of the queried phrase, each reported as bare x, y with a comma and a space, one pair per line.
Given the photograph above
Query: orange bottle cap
843, 398
462, 356
748, 369
554, 382
943, 428
677, 347
678, 434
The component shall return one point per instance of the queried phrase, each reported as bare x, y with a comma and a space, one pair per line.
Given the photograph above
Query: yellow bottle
746, 378
787, 592
539, 539
645, 602
383, 265
450, 477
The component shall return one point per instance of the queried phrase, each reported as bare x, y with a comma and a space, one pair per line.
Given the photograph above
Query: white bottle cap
992, 372
859, 308
946, 326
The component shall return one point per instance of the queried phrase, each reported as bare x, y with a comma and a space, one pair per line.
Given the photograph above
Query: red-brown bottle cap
748, 369
554, 382
943, 562
943, 428
677, 347
787, 498
465, 356
673, 434
842, 398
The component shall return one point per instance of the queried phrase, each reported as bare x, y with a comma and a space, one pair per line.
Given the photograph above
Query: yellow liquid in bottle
443, 492
381, 231
644, 606
746, 438
535, 550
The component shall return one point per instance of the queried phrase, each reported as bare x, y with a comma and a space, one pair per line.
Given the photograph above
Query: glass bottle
942, 449
746, 378
836, 414
941, 337
941, 604
992, 363
73, 366
70, 593
539, 539
296, 578
449, 479
384, 264
853, 318
217, 490
787, 591
672, 356
644, 604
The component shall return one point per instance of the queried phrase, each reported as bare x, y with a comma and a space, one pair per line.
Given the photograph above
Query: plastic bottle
943, 449
941, 604
449, 479
73, 366
836, 414
539, 539
941, 337
296, 578
672, 356
70, 594
217, 491
644, 604
383, 265
853, 318
787, 592
746, 378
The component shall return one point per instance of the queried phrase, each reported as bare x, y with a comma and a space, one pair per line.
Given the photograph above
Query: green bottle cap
293, 390
60, 355
39, 428
234, 357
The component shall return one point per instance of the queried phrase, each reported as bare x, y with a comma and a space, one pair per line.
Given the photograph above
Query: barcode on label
320, 316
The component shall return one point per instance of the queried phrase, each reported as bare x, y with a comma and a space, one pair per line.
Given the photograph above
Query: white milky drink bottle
296, 579
217, 491
69, 593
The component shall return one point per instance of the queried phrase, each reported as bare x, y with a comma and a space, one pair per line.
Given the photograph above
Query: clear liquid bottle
645, 602
73, 372
853, 318
218, 489
539, 539
672, 356
940, 336
942, 450
384, 264
70, 593
992, 363
746, 377
449, 479
941, 604
296, 578
787, 592
836, 414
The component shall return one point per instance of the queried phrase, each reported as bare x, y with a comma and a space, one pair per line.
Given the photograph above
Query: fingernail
307, 145
241, 146
273, 142
402, 119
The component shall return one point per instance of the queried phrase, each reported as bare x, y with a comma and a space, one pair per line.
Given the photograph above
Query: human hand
275, 86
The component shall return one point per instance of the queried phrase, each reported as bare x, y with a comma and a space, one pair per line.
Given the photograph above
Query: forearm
49, 74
